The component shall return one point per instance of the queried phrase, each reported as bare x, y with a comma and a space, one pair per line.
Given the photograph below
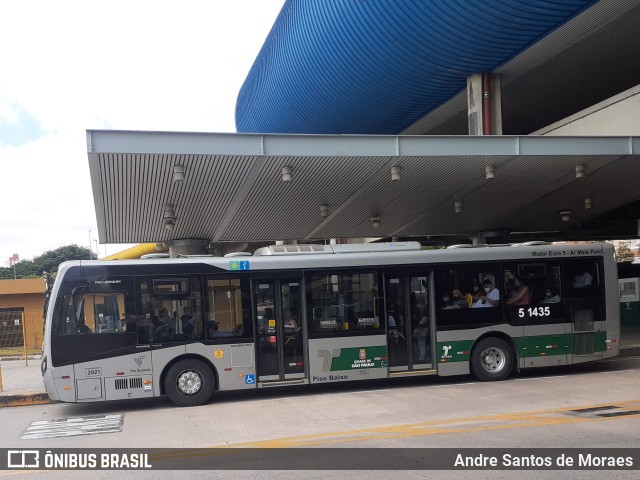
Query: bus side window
468, 295
106, 312
533, 292
532, 283
344, 302
64, 317
228, 310
93, 312
582, 278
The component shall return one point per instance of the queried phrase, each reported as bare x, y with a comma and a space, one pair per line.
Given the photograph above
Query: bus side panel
161, 357
340, 359
612, 312
234, 363
453, 350
58, 386
545, 345
117, 378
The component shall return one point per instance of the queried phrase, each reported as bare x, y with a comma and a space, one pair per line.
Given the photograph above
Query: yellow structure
137, 251
17, 298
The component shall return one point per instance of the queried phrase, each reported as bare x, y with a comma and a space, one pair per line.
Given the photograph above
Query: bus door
585, 307
410, 321
280, 346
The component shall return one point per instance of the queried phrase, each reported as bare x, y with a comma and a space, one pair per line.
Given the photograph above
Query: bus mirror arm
79, 310
77, 297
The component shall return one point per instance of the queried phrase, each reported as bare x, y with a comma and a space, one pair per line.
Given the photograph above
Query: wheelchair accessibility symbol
250, 379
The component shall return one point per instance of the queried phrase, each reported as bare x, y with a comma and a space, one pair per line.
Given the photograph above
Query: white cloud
7, 114
143, 65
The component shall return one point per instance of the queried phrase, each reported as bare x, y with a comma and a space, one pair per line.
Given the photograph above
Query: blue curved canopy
377, 66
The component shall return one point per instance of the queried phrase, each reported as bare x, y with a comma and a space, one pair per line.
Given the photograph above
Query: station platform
22, 381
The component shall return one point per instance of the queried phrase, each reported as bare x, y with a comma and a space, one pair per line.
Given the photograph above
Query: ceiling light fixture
395, 173
375, 221
458, 207
490, 171
324, 210
286, 174
580, 171
169, 217
565, 215
178, 173
169, 212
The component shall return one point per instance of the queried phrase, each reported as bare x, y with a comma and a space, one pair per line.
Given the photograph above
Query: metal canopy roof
233, 188
379, 66
585, 61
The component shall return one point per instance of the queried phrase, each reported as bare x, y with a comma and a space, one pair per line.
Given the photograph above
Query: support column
188, 246
478, 240
220, 249
484, 104
489, 236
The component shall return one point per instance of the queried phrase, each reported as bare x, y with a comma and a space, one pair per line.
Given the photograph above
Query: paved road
588, 406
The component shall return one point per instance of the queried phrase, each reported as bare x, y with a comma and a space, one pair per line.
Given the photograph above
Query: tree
47, 262
624, 253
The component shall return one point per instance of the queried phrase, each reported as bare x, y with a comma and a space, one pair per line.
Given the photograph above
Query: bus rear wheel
492, 359
189, 383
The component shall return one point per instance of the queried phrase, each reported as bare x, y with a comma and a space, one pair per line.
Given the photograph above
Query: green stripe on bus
529, 347
454, 351
576, 346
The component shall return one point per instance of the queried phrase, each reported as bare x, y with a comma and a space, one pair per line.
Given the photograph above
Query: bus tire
189, 383
492, 359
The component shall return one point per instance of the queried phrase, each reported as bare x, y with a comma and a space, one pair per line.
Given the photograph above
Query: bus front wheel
189, 382
491, 359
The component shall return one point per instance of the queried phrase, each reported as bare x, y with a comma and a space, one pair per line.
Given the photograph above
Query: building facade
21, 301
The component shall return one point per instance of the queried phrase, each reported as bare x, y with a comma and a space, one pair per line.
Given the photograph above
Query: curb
23, 400
630, 351
43, 398
21, 357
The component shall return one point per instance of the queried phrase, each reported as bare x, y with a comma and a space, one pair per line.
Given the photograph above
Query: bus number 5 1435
534, 312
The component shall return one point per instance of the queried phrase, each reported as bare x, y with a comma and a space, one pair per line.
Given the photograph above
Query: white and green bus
312, 314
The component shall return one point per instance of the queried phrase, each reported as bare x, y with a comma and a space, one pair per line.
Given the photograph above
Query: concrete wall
618, 115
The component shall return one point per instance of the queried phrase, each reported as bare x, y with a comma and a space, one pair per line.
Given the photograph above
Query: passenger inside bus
161, 331
82, 328
212, 328
458, 300
393, 329
188, 322
491, 297
520, 295
582, 280
164, 316
421, 331
550, 297
476, 291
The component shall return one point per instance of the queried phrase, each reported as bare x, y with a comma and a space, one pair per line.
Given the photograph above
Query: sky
70, 66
